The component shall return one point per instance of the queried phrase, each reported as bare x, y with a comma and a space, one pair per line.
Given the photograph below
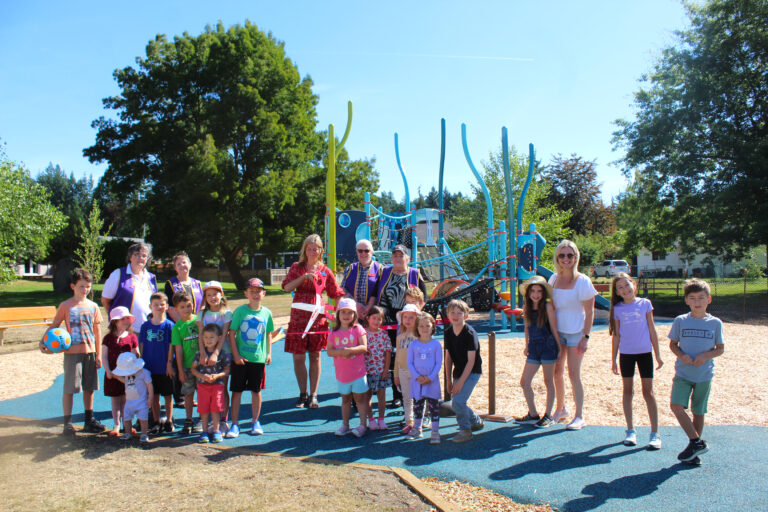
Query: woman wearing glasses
574, 299
361, 280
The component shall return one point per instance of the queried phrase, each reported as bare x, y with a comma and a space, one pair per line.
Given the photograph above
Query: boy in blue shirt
155, 347
695, 338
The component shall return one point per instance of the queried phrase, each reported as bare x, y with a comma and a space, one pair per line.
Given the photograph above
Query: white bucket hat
128, 364
408, 308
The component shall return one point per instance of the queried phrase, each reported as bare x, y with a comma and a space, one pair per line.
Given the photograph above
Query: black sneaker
94, 426
155, 429
692, 450
187, 429
302, 401
168, 427
694, 461
69, 429
544, 422
528, 419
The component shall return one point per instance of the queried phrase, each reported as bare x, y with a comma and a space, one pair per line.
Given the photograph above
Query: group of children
695, 339
206, 351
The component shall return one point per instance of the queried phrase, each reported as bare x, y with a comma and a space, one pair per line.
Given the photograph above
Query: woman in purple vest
362, 279
131, 286
182, 282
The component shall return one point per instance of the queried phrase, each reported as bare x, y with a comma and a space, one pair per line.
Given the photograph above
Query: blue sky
556, 74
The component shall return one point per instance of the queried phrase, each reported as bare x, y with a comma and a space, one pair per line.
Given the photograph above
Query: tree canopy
215, 145
28, 220
697, 148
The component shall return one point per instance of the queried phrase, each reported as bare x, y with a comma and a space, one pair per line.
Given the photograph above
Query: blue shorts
542, 350
570, 339
358, 386
138, 408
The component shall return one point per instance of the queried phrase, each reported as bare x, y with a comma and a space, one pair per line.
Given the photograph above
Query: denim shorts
357, 386
570, 339
542, 350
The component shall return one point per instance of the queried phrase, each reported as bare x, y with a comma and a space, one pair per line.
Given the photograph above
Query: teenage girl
377, 365
406, 335
215, 311
425, 360
347, 345
542, 347
634, 335
119, 339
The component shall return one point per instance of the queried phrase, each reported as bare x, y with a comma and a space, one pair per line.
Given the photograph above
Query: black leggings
434, 409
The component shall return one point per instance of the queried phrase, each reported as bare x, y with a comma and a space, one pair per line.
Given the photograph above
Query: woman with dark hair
131, 286
182, 282
307, 333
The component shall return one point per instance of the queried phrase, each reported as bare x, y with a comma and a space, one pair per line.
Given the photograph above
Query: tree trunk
231, 261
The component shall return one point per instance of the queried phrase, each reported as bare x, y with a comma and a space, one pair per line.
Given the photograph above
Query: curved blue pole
531, 161
407, 198
511, 267
440, 205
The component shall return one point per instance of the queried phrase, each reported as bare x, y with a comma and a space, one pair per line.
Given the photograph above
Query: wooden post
492, 416
744, 306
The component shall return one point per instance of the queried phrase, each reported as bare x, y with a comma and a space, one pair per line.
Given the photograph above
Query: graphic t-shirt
185, 334
81, 321
696, 335
156, 342
634, 337
378, 346
220, 318
251, 328
348, 370
136, 385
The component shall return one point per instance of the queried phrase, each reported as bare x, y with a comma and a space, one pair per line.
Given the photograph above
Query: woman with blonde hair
307, 332
574, 298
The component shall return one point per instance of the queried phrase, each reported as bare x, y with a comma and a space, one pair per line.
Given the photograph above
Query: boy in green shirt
250, 335
184, 339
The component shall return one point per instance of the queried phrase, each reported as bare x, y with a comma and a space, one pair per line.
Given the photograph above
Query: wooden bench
38, 315
602, 288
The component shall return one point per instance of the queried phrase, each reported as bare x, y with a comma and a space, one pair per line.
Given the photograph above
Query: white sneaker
343, 430
577, 424
654, 443
359, 431
631, 439
560, 415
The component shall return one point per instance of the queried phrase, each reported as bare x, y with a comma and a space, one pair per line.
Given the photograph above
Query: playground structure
513, 254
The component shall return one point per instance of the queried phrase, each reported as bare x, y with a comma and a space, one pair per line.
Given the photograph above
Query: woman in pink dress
308, 328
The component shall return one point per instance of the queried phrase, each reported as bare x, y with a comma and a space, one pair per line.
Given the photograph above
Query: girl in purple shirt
425, 360
634, 336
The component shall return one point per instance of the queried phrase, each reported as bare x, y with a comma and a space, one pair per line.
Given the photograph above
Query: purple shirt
425, 359
634, 337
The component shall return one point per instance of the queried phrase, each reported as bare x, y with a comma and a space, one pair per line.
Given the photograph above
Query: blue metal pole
511, 246
503, 270
407, 199
440, 206
368, 216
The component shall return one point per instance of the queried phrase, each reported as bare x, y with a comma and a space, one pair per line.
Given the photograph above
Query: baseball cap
254, 282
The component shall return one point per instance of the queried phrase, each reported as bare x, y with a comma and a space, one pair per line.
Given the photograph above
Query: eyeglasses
566, 256
364, 251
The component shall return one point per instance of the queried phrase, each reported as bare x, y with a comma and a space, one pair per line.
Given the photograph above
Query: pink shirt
348, 370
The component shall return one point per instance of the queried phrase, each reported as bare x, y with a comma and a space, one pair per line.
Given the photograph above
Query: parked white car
609, 268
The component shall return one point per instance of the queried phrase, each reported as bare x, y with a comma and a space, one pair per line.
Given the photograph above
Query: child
250, 337
634, 335
377, 361
407, 320
118, 340
413, 295
695, 338
210, 382
425, 359
138, 392
215, 311
347, 345
463, 368
82, 359
542, 347
184, 338
155, 346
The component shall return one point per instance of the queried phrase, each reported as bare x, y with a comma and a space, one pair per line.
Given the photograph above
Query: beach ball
252, 328
57, 339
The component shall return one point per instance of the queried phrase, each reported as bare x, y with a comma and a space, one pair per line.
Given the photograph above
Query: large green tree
470, 213
215, 144
697, 148
28, 220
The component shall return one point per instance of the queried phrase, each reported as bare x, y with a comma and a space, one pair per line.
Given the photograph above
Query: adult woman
182, 282
574, 299
131, 286
308, 328
393, 282
362, 278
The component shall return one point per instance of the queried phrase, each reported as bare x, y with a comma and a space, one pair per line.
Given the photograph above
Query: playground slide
600, 302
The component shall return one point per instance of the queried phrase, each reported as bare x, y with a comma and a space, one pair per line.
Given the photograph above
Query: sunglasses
364, 251
566, 256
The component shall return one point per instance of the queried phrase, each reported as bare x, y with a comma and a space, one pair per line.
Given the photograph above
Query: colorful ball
252, 329
57, 339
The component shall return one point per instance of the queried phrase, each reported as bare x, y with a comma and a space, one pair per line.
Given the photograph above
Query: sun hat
128, 364
400, 247
213, 284
121, 312
536, 280
254, 282
408, 308
347, 303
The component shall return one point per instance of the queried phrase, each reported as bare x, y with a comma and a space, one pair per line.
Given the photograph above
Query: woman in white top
574, 300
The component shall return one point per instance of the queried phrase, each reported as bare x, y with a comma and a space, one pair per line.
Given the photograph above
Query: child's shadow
626, 488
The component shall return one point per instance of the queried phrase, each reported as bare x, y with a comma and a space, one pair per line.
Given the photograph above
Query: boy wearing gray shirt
695, 338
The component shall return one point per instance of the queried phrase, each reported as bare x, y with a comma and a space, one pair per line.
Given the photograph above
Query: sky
557, 74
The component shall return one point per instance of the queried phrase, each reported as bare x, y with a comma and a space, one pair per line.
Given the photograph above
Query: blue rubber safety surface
573, 471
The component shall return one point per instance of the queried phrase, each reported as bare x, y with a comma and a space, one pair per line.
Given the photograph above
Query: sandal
302, 401
312, 402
